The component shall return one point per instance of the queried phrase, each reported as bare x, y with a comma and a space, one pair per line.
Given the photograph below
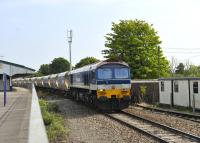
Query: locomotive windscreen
113, 72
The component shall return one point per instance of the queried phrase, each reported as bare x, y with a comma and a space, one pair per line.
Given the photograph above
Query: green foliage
56, 131
136, 42
44, 69
54, 122
37, 74
186, 70
193, 71
53, 107
86, 61
143, 90
142, 93
59, 65
180, 68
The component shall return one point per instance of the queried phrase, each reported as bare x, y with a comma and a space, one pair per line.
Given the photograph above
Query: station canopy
13, 69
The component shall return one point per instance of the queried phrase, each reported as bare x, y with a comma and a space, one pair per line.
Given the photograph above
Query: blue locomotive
104, 84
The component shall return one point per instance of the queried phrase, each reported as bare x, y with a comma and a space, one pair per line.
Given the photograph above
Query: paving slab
15, 116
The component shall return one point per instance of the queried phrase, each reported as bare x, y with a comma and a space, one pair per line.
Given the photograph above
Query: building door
195, 96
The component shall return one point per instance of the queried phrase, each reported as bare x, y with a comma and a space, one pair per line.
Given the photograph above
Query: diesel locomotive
103, 84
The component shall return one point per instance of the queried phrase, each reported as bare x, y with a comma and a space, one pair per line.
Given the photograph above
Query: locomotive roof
95, 66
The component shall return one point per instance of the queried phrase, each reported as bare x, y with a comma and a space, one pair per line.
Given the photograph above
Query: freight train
104, 84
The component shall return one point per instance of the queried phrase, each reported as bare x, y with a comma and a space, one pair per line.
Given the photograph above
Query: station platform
14, 117
18, 117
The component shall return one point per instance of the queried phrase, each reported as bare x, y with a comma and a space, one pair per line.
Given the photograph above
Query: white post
10, 78
69, 36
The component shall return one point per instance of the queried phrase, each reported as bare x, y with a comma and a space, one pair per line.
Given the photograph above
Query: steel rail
136, 128
176, 131
187, 116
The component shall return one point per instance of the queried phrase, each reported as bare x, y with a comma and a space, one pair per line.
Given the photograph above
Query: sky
34, 32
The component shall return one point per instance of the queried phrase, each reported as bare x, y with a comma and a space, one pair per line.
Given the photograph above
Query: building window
175, 86
162, 86
195, 87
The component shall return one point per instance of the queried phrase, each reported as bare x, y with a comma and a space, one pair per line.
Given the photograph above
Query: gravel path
181, 124
87, 126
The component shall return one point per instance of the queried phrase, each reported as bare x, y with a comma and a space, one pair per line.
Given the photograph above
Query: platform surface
14, 118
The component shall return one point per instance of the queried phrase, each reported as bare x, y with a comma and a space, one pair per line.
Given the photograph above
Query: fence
145, 91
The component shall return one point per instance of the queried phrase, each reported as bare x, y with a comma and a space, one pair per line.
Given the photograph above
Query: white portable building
180, 92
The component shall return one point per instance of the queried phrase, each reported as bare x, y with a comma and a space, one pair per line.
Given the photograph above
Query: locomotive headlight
101, 92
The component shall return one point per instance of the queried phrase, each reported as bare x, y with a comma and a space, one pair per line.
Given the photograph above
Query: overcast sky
33, 32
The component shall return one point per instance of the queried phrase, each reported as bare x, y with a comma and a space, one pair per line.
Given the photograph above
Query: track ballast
186, 116
157, 131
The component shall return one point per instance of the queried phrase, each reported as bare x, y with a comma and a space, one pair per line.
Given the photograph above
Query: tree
44, 69
136, 42
86, 61
173, 65
187, 67
180, 68
59, 65
193, 71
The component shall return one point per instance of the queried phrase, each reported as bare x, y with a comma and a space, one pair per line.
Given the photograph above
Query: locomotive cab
113, 86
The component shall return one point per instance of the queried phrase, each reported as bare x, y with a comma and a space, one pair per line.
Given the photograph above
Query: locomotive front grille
124, 92
113, 93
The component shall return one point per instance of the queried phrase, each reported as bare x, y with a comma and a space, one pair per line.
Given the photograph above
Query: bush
52, 107
55, 123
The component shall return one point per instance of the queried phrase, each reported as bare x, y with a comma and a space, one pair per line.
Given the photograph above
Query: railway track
187, 116
157, 131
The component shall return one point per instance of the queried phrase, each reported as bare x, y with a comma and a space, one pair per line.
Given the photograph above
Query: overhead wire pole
69, 37
158, 61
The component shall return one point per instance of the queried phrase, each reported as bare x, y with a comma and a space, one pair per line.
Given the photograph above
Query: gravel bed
88, 126
157, 131
172, 121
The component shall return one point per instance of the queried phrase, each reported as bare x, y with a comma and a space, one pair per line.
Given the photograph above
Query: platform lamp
69, 38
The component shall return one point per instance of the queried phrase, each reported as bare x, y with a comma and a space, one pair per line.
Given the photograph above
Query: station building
12, 70
180, 92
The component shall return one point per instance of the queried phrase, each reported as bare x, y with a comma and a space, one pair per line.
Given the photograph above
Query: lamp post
158, 61
69, 38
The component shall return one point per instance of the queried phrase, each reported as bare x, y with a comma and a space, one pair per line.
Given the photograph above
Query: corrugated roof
17, 65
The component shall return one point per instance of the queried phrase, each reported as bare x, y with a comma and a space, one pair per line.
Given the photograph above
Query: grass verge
54, 122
